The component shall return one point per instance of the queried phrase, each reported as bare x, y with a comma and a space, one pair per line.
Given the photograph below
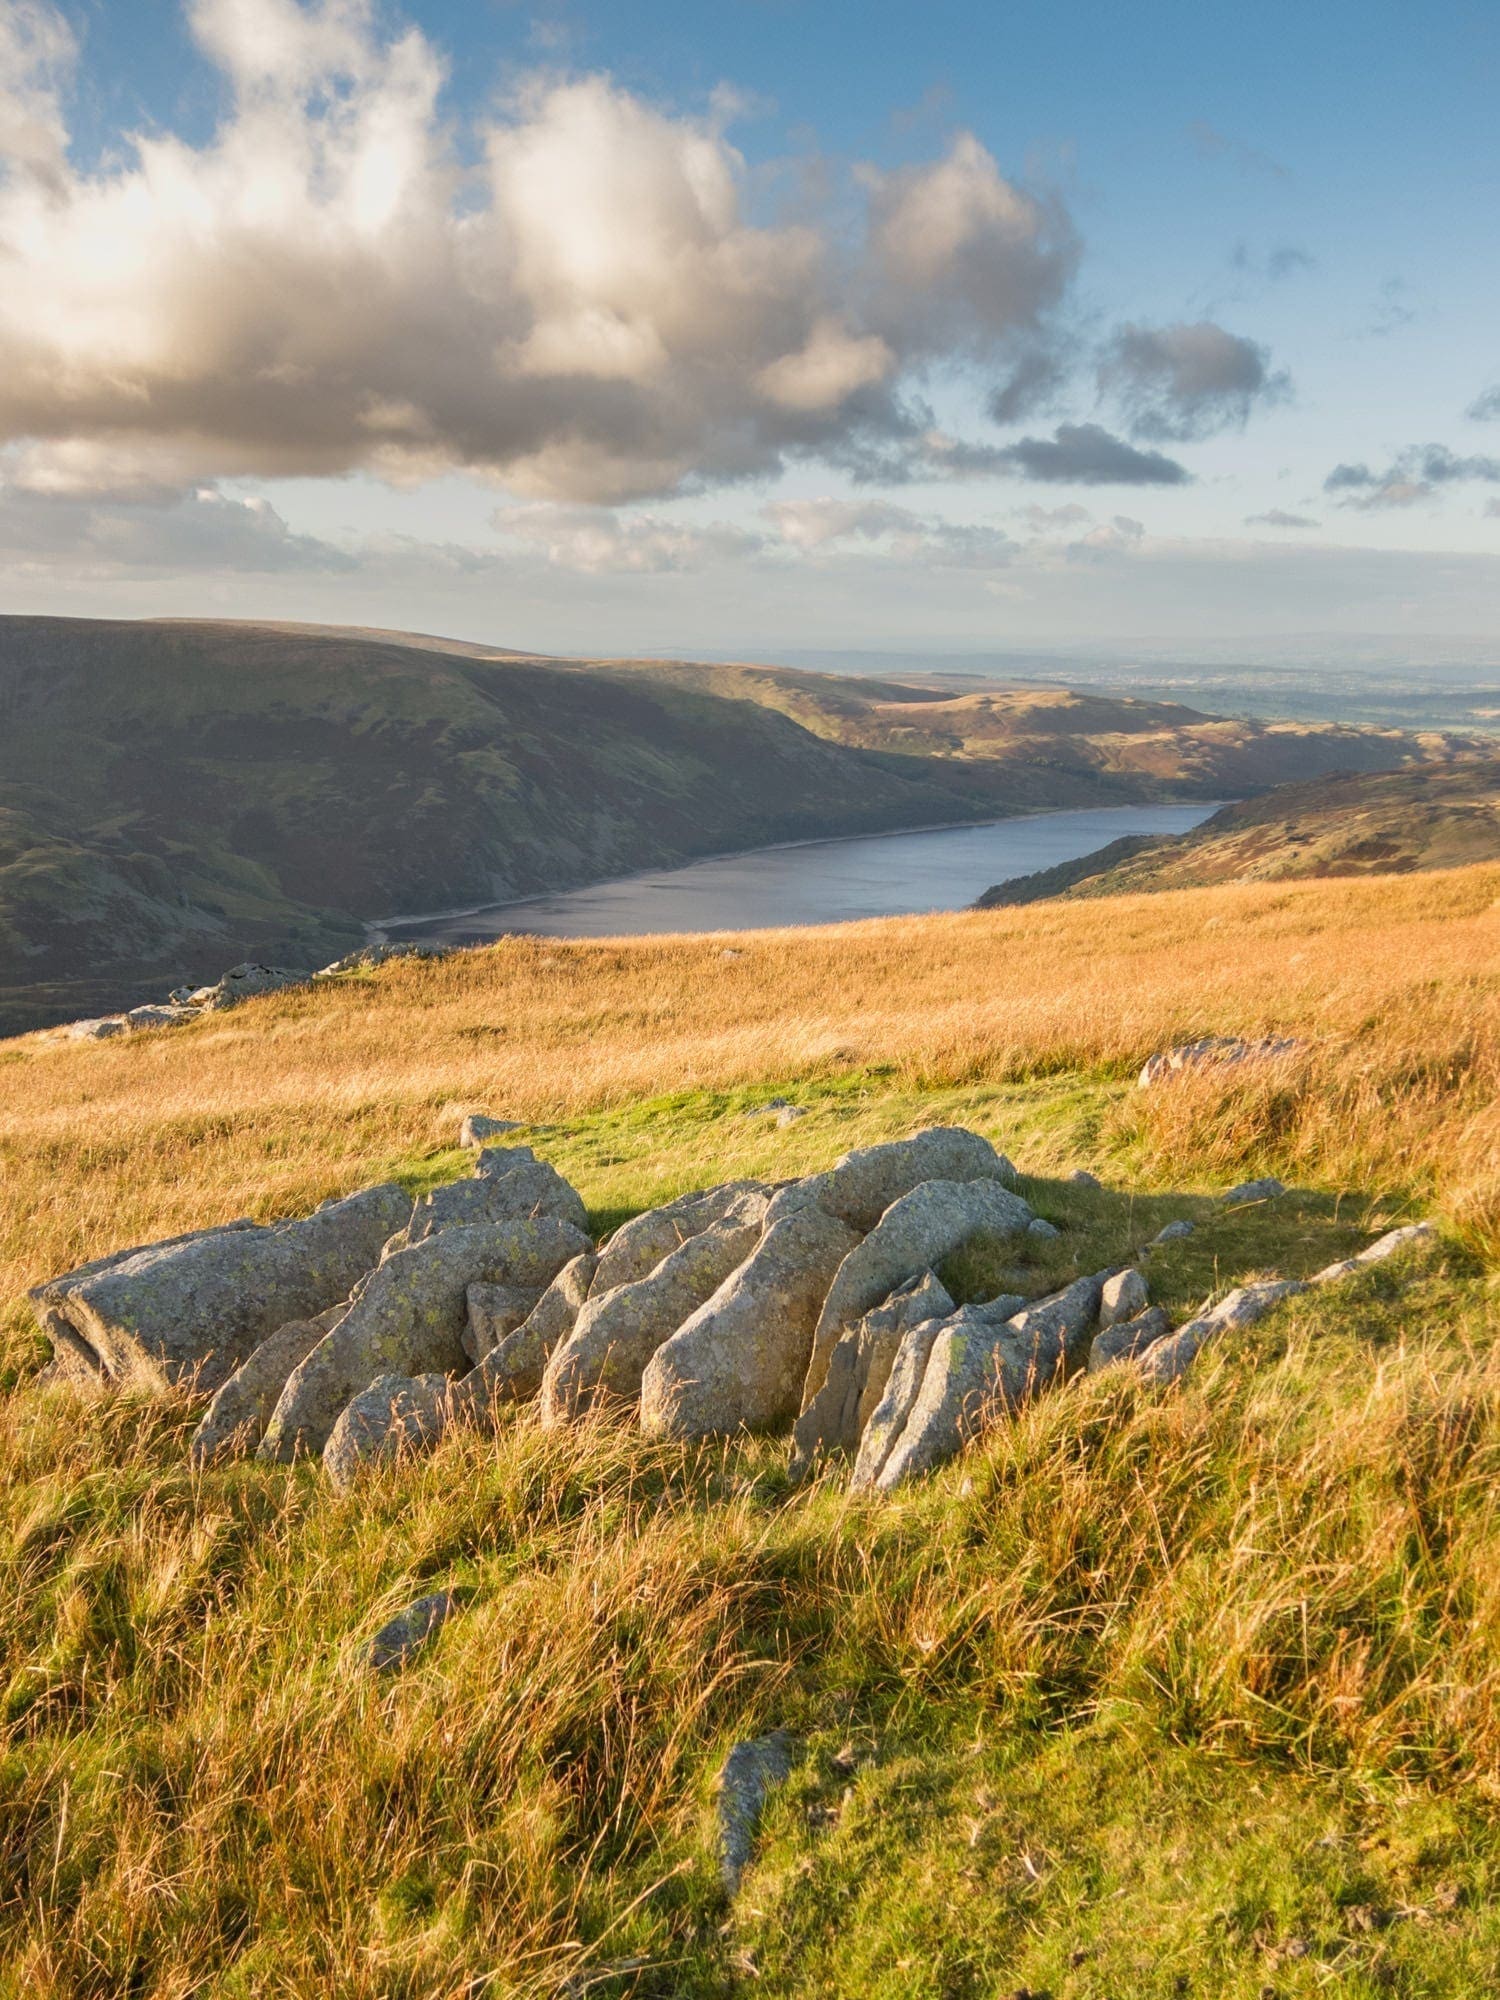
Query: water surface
815, 882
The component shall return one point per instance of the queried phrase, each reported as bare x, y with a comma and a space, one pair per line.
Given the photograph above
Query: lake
814, 882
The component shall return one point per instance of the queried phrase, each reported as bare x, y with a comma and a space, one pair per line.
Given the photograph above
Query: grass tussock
1152, 1693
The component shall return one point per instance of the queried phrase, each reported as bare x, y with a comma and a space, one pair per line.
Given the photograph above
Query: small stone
406, 1633
751, 1772
1265, 1189
1125, 1296
788, 1114
1039, 1230
478, 1128
1174, 1231
102, 1030
1082, 1178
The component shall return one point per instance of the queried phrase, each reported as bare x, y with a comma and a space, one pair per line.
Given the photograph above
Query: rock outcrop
396, 1413
495, 1312
235, 1421
862, 1186
638, 1246
859, 1369
512, 1370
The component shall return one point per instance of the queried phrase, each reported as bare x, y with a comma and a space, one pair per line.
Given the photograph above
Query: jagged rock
103, 1029
180, 996
408, 1318
495, 1311
512, 1371
1376, 1252
751, 1772
977, 1369
243, 982
1168, 1359
396, 1412
1215, 1051
493, 1162
235, 1420
479, 1128
738, 1362
1041, 1231
916, 1231
862, 1186
187, 1312
158, 1017
1174, 1232
888, 1419
406, 1633
1081, 1177
526, 1187
617, 1332
638, 1246
1265, 1189
859, 1369
1124, 1296
1127, 1339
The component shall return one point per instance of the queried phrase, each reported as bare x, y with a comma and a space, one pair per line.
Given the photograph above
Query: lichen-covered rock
495, 1311
751, 1772
512, 1371
104, 1028
527, 1187
860, 1367
396, 1413
405, 1634
638, 1246
738, 1362
861, 1186
918, 1229
1169, 1359
1125, 1296
1127, 1339
617, 1332
976, 1370
888, 1419
185, 1313
408, 1319
235, 1420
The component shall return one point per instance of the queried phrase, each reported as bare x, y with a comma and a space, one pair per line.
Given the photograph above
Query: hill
1389, 823
1154, 1692
177, 795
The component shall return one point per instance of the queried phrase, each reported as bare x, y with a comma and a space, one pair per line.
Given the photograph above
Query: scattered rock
862, 1186
187, 1312
1081, 1177
159, 1017
406, 1634
617, 1332
859, 1369
408, 1318
1265, 1189
638, 1246
395, 1412
788, 1114
512, 1371
235, 1420
1215, 1051
479, 1127
103, 1029
494, 1312
1174, 1232
1376, 1252
1127, 1339
739, 1360
1041, 1231
1168, 1359
1124, 1296
916, 1231
751, 1772
493, 1162
244, 982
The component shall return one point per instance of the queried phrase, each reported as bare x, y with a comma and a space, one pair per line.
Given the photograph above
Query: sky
769, 326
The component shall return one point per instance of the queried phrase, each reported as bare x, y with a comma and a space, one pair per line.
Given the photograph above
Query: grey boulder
918, 1229
528, 1187
1174, 1232
1169, 1359
403, 1636
638, 1246
187, 1312
1265, 1189
235, 1420
396, 1413
1127, 1339
512, 1370
495, 1311
1376, 1253
478, 1129
738, 1362
751, 1772
860, 1367
408, 1318
861, 1186
617, 1332
1124, 1297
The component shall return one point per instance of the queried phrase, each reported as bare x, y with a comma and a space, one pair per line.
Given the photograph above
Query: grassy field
1184, 1692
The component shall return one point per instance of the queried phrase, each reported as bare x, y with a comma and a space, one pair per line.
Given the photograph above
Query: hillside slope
1390, 823
176, 795
1155, 1692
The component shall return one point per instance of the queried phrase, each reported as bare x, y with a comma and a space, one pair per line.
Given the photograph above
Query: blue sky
762, 326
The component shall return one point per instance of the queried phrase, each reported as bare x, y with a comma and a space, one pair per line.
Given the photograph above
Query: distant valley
176, 795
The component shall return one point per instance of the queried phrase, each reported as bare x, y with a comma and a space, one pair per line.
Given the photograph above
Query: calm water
823, 882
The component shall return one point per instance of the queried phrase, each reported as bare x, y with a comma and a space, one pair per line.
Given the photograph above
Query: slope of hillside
176, 795
1154, 1692
1390, 823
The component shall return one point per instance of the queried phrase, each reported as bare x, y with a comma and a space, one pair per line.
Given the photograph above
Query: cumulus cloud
1089, 455
813, 527
1187, 381
1278, 517
1414, 475
588, 314
157, 534
597, 540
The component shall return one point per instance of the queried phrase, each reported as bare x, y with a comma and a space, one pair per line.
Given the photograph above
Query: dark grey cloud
1034, 380
1413, 475
1089, 455
1186, 381
1278, 517
1486, 408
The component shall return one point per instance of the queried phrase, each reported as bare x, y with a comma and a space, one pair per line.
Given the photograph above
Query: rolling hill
177, 795
1382, 823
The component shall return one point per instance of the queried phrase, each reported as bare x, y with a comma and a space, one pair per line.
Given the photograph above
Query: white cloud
813, 527
596, 540
587, 315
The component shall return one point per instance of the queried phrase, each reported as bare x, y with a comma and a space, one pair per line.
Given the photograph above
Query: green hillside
1385, 823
